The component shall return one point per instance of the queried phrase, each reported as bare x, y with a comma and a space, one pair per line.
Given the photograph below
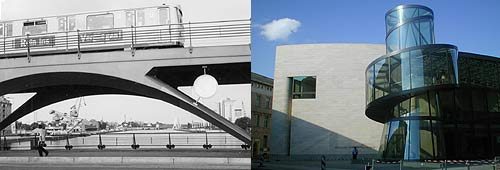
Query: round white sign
205, 86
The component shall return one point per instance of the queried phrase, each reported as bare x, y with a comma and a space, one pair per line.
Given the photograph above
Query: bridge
138, 63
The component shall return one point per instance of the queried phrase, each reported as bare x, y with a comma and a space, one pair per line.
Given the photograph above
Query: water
145, 138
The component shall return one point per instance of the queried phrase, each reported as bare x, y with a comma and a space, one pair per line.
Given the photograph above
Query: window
34, 27
140, 18
129, 18
257, 121
71, 23
8, 29
100, 21
61, 24
267, 102
164, 15
257, 100
304, 87
266, 121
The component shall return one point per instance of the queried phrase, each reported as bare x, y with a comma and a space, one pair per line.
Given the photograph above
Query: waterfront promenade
128, 159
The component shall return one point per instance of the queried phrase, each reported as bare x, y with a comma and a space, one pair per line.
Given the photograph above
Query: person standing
41, 132
354, 153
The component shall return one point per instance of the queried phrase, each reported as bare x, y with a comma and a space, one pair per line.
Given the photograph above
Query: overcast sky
114, 107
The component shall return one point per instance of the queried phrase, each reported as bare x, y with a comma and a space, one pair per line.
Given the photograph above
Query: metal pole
132, 48
151, 140
116, 141
28, 46
169, 141
78, 33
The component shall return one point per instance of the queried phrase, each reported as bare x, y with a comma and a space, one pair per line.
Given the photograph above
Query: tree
243, 123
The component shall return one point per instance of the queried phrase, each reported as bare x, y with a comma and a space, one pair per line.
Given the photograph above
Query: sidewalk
175, 158
307, 165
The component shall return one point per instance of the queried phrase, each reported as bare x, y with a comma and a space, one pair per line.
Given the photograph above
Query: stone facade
262, 91
334, 121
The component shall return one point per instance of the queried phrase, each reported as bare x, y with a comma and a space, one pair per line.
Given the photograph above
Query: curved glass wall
449, 122
460, 123
409, 26
421, 67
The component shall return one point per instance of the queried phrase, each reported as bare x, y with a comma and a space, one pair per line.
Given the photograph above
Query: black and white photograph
125, 84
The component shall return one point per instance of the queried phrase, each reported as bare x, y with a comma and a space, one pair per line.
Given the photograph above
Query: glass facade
409, 26
421, 67
304, 87
435, 102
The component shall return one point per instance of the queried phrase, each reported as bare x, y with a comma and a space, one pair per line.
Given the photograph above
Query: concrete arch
52, 87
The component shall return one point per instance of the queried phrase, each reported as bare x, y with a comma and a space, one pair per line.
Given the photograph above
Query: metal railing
129, 140
436, 165
131, 38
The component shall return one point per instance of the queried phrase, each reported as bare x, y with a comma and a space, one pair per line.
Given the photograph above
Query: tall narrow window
8, 29
164, 15
304, 87
130, 18
140, 18
61, 24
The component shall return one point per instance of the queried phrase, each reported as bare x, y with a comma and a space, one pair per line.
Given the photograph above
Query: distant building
5, 111
262, 92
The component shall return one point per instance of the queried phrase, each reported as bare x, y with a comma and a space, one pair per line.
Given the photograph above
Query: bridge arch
52, 87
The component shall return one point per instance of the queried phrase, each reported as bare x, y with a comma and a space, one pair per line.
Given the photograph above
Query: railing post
190, 42
134, 145
28, 47
132, 33
100, 146
169, 145
170, 32
68, 146
116, 141
79, 54
206, 145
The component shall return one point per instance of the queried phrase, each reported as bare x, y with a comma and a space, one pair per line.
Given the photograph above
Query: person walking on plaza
41, 132
354, 153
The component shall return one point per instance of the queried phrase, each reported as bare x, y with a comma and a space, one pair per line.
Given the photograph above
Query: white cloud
279, 29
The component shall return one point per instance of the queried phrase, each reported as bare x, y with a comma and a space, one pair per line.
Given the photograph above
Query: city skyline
92, 111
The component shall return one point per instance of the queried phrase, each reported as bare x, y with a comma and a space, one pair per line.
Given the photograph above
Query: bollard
206, 145
68, 146
100, 146
323, 163
134, 145
170, 146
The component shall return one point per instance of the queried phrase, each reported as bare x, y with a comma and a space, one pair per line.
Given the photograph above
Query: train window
34, 27
71, 23
164, 15
129, 18
61, 24
140, 17
8, 29
1, 29
179, 15
100, 21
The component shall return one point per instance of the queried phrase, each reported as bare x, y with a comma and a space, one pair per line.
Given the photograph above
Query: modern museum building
435, 102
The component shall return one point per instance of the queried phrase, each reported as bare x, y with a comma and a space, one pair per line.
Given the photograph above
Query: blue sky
473, 26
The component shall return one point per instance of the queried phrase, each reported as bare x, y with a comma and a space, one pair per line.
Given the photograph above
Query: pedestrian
41, 132
354, 153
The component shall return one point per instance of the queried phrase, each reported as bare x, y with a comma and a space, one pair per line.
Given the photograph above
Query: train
157, 26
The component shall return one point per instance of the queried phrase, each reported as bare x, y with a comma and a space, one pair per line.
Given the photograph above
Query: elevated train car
158, 26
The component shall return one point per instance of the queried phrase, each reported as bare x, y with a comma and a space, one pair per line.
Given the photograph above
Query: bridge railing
126, 38
126, 140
